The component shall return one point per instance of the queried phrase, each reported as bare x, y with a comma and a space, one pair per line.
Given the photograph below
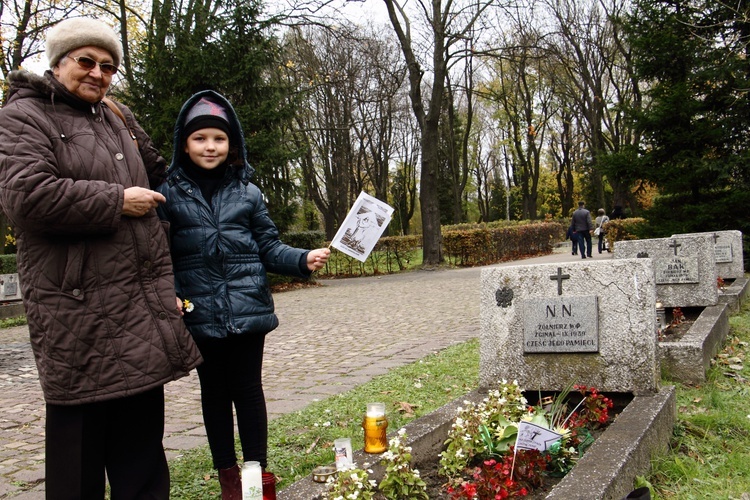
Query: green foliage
305, 239
625, 229
710, 446
8, 264
11, 322
230, 50
716, 211
401, 481
351, 483
300, 441
694, 56
391, 254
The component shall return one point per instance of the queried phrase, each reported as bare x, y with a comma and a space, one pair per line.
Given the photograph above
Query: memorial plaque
10, 287
561, 324
676, 270
723, 253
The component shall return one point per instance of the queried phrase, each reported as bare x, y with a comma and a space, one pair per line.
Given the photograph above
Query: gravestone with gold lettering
684, 268
587, 323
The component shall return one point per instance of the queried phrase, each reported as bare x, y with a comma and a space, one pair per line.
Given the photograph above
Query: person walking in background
94, 268
617, 213
573, 237
223, 242
583, 225
601, 229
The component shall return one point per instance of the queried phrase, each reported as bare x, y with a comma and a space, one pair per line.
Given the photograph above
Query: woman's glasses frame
88, 64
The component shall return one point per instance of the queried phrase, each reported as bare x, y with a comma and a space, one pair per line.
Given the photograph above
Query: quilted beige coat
97, 286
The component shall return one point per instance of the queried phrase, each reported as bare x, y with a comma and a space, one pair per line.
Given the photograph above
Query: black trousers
231, 375
122, 437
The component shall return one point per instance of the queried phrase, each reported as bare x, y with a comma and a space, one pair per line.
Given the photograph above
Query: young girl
223, 241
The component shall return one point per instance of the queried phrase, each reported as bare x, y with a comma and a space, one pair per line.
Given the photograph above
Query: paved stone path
331, 339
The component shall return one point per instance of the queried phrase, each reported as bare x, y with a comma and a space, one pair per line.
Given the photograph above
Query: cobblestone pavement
331, 339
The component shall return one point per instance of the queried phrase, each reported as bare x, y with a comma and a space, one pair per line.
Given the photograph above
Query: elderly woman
76, 180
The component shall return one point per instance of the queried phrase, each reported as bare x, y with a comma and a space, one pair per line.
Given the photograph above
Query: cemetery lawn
710, 447
300, 441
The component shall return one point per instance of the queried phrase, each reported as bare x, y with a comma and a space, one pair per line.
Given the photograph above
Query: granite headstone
588, 323
728, 251
684, 268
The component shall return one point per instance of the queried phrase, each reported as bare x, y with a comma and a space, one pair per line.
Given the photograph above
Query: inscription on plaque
723, 253
676, 270
10, 287
561, 324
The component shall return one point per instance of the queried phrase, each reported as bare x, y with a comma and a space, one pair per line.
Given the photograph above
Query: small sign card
365, 222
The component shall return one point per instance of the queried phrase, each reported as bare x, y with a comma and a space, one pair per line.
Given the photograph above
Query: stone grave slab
586, 323
10, 288
684, 268
728, 251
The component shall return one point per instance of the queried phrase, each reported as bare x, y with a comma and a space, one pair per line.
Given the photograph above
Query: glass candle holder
252, 481
375, 425
269, 486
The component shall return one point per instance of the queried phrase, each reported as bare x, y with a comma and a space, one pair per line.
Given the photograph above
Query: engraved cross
674, 245
559, 277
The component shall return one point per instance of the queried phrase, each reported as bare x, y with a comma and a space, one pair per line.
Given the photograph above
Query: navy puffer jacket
221, 251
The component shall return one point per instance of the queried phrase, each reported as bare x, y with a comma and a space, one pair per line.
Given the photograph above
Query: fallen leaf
406, 408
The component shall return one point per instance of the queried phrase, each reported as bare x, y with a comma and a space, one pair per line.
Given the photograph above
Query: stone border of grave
688, 359
607, 470
735, 294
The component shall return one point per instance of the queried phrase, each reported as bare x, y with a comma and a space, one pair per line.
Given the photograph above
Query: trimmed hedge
390, 254
623, 229
8, 264
488, 245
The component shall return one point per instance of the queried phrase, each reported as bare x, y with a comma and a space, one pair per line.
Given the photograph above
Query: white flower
326, 424
418, 385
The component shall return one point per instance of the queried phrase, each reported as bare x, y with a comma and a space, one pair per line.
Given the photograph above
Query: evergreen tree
694, 56
228, 48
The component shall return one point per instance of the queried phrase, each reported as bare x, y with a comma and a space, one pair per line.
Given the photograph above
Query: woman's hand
138, 201
317, 259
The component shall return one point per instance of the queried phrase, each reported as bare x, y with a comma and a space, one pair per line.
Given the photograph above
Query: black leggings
231, 374
122, 436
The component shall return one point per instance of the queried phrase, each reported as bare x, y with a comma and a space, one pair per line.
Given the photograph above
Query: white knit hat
81, 32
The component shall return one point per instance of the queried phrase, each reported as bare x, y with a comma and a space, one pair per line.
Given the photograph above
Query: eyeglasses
88, 64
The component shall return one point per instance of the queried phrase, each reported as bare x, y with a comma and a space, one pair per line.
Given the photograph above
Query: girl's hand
317, 259
179, 306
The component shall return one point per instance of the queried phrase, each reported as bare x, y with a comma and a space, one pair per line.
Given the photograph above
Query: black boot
642, 493
231, 483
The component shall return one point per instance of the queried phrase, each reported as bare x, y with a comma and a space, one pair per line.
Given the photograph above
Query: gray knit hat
81, 32
206, 114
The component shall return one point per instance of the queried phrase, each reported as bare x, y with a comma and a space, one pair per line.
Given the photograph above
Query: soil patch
677, 328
